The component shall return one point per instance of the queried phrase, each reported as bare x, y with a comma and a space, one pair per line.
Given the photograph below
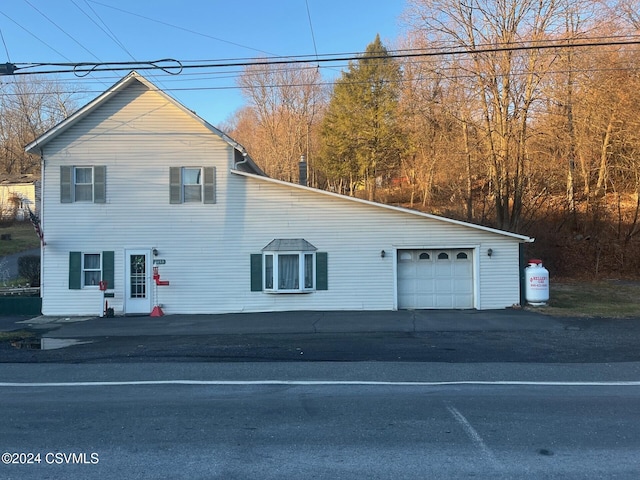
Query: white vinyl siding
139, 136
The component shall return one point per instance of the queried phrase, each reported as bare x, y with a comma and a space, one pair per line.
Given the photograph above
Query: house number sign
159, 261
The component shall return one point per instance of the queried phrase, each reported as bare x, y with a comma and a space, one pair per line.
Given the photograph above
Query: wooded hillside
518, 114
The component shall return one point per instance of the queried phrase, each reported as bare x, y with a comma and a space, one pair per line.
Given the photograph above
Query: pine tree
360, 130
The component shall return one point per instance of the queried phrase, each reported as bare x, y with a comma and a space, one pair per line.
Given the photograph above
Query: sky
75, 31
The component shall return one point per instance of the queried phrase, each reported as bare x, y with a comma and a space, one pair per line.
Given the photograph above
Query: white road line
319, 383
475, 437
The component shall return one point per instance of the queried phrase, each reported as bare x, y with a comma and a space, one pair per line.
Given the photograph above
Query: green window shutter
108, 269
66, 174
99, 184
75, 270
322, 275
256, 272
175, 185
209, 185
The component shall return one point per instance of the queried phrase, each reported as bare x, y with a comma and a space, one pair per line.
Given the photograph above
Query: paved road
332, 431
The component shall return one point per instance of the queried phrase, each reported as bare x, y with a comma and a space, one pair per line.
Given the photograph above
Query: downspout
245, 158
238, 147
42, 242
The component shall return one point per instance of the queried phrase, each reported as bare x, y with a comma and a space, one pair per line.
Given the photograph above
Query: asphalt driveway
407, 336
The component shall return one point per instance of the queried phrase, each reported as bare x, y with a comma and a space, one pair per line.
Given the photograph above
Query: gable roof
42, 140
515, 236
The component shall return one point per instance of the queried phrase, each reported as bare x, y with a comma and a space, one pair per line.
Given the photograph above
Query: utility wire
62, 29
313, 37
85, 68
177, 27
34, 36
5, 46
107, 31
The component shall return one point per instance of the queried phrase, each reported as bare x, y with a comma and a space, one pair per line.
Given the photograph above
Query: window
289, 266
443, 256
91, 269
405, 256
462, 256
192, 185
424, 256
289, 271
83, 184
87, 269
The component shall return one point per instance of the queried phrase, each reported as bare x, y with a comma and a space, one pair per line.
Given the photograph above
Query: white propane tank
537, 283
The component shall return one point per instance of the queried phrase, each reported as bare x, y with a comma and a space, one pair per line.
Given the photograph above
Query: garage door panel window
405, 257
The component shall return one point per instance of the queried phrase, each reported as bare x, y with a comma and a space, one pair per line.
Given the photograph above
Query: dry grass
609, 298
15, 335
23, 237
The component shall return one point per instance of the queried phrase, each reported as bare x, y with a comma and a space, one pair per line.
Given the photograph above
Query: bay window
291, 271
289, 266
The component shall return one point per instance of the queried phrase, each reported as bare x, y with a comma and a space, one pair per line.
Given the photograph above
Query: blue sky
70, 31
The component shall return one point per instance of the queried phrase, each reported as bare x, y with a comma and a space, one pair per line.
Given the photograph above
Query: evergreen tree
360, 130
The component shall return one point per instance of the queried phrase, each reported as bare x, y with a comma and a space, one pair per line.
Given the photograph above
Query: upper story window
82, 184
192, 185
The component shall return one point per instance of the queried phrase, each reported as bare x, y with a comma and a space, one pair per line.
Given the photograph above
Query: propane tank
537, 283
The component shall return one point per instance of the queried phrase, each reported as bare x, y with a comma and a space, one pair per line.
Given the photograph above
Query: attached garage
436, 278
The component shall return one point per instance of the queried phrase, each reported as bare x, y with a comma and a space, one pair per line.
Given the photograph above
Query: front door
138, 281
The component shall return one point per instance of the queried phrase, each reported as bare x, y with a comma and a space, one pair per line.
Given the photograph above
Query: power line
175, 67
105, 29
313, 37
61, 29
5, 46
177, 27
34, 36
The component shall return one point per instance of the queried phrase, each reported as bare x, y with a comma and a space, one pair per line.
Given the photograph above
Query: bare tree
504, 82
285, 103
28, 107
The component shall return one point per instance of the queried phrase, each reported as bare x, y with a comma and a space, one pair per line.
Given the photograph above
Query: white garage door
435, 278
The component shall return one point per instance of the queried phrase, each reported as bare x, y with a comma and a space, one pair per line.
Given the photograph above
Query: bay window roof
289, 245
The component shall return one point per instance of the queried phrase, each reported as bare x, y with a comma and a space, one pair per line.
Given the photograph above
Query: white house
23, 188
134, 180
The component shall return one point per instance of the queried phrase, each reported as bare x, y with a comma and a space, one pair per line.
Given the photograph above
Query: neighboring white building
24, 188
135, 180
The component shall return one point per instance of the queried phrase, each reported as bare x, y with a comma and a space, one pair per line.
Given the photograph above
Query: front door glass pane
138, 276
